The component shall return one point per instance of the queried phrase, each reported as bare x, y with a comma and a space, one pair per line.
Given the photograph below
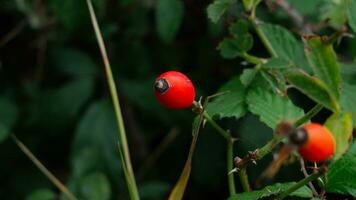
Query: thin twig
220, 130
297, 18
13, 33
304, 170
43, 169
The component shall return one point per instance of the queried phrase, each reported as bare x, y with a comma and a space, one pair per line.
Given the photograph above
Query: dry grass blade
179, 189
43, 169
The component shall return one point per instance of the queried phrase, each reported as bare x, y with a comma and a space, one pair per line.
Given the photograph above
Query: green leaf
306, 8
313, 88
272, 108
251, 4
239, 28
275, 80
231, 103
351, 15
229, 48
217, 9
348, 72
233, 47
276, 64
285, 45
4, 132
153, 190
334, 12
95, 186
247, 76
323, 60
85, 162
57, 108
97, 131
240, 42
169, 16
352, 149
8, 117
341, 127
303, 192
73, 62
348, 99
341, 175
239, 31
42, 194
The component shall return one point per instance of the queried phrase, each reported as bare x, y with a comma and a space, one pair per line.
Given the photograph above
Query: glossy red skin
320, 145
181, 92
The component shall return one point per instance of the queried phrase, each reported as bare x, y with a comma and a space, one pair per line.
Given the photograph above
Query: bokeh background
54, 94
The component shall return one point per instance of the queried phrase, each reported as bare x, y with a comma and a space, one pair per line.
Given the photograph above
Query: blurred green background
54, 94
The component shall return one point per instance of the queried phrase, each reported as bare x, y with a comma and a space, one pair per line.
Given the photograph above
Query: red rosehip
174, 90
320, 143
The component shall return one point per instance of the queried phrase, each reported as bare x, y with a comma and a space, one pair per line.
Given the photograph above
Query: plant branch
258, 153
218, 128
260, 33
293, 14
13, 33
311, 113
253, 59
123, 145
302, 182
43, 169
230, 143
230, 165
267, 148
244, 180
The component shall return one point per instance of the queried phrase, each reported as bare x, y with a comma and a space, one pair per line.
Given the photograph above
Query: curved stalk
123, 145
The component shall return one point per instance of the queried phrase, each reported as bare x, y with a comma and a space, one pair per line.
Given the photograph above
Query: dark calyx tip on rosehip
284, 128
161, 85
299, 136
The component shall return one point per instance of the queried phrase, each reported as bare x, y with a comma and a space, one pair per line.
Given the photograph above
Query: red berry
174, 90
320, 144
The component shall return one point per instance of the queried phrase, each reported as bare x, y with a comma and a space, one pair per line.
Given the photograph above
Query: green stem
311, 113
260, 33
218, 128
230, 166
301, 183
230, 156
267, 148
244, 180
123, 145
253, 59
264, 38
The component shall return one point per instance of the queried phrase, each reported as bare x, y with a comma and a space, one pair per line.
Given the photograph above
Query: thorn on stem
233, 171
